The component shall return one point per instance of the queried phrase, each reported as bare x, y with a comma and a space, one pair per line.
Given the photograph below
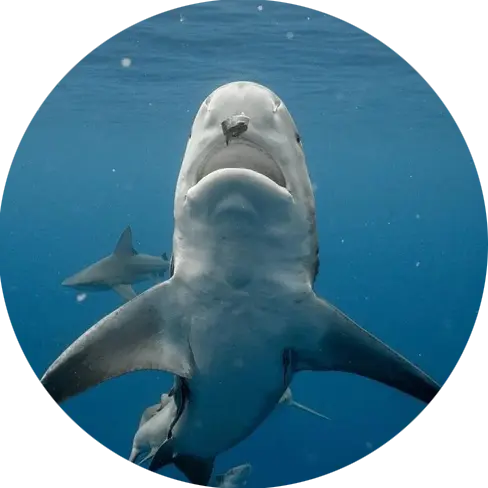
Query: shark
235, 477
156, 420
120, 270
239, 316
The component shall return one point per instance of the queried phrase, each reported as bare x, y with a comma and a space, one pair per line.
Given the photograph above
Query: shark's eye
298, 138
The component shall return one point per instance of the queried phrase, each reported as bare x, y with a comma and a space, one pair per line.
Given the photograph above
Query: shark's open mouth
245, 156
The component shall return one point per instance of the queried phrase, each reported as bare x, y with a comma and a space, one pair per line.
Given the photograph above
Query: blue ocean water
401, 218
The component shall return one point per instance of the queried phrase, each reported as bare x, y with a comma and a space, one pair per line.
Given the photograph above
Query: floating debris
81, 297
126, 62
260, 8
417, 264
290, 35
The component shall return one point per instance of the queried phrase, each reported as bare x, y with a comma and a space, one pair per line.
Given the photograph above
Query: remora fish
157, 419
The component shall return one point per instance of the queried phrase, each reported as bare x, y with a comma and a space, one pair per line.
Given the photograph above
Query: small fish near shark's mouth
240, 152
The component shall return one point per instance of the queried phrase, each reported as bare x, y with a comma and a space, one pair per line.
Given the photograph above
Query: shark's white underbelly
239, 382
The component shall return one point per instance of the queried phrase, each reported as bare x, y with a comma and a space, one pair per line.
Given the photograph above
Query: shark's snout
234, 126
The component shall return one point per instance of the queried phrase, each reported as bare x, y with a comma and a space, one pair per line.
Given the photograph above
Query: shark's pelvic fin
134, 337
125, 291
124, 247
333, 342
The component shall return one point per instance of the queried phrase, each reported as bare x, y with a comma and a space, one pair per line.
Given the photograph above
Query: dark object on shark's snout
234, 126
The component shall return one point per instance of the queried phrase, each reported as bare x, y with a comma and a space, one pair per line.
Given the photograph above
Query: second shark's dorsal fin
124, 245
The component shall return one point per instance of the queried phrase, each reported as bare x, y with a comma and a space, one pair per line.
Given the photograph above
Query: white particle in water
182, 19
342, 241
126, 62
260, 8
417, 216
80, 297
113, 170
290, 35
417, 264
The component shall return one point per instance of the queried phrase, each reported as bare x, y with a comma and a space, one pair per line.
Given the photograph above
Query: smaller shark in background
236, 477
120, 270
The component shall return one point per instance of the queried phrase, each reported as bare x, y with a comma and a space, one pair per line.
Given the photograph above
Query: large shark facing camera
239, 315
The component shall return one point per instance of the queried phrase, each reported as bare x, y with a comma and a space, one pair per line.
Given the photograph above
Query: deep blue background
401, 218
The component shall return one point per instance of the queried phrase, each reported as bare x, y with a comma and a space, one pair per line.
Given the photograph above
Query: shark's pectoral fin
140, 335
331, 341
197, 470
125, 291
